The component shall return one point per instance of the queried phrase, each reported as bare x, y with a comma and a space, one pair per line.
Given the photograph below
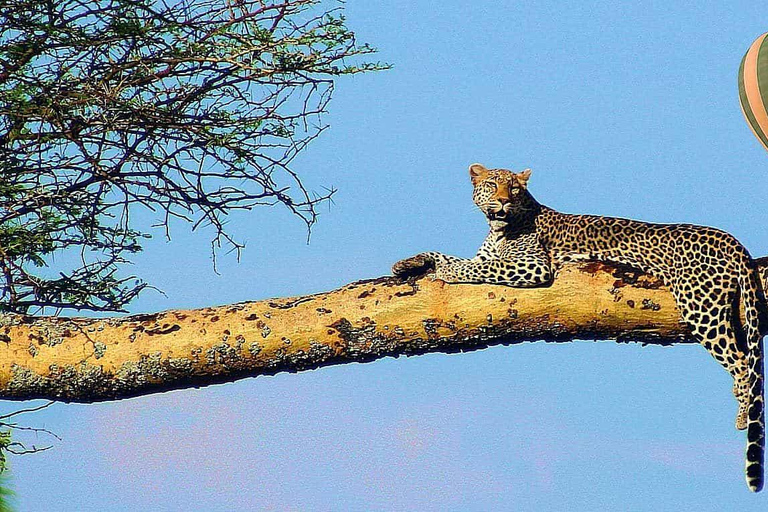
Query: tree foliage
191, 109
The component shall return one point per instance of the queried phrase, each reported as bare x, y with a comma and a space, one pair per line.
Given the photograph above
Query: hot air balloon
753, 88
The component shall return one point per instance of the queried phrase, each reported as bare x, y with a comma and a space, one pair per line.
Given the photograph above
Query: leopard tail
751, 295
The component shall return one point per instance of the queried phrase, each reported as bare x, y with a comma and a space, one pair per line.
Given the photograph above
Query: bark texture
87, 360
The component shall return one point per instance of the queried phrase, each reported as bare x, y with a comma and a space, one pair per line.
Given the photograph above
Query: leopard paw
413, 266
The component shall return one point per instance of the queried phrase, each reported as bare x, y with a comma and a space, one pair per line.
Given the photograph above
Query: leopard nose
499, 205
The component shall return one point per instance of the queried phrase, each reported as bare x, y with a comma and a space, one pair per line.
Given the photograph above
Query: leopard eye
487, 187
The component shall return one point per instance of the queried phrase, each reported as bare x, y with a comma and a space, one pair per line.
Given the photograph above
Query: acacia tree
189, 108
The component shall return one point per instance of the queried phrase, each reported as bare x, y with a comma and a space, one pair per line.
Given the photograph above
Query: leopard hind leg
714, 325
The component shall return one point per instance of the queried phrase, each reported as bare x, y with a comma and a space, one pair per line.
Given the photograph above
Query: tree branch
87, 360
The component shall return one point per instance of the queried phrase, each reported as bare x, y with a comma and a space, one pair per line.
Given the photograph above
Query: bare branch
190, 110
86, 360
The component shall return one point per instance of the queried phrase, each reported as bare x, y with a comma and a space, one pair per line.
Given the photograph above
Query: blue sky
626, 109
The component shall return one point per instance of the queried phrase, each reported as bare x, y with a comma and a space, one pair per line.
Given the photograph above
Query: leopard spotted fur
707, 270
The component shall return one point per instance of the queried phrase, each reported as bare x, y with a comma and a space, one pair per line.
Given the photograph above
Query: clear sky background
620, 108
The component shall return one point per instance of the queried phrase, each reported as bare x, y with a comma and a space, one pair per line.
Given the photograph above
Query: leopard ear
523, 177
477, 173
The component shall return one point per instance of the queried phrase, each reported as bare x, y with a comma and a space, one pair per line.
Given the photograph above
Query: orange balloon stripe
752, 129
752, 88
745, 106
746, 111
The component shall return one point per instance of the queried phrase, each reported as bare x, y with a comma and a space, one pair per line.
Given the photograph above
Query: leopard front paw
413, 266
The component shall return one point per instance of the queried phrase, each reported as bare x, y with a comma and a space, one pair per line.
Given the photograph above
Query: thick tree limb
87, 360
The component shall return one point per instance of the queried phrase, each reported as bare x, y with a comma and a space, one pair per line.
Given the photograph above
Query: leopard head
500, 194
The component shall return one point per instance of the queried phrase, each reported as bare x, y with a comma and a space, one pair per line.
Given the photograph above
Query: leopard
709, 272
